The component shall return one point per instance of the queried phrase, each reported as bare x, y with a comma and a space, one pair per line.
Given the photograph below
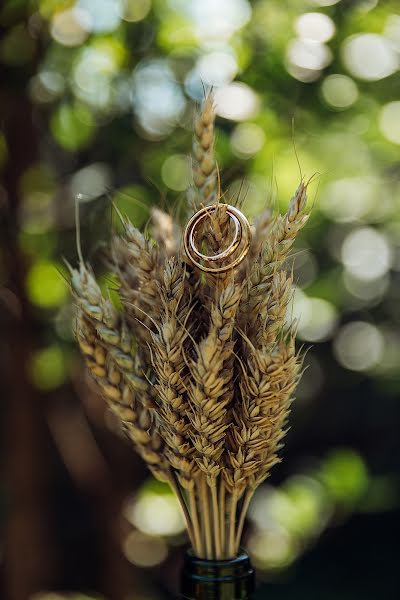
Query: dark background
97, 98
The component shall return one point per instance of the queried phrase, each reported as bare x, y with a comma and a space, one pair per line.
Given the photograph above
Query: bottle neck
217, 579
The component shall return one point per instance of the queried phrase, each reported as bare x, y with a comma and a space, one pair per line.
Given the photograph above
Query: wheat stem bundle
200, 369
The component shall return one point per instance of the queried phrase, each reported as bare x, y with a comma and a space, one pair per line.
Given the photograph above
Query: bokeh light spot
155, 514
103, 15
216, 68
247, 139
70, 27
358, 346
315, 26
44, 284
339, 91
369, 56
272, 549
345, 475
300, 309
303, 512
215, 21
47, 368
321, 321
389, 121
157, 98
95, 69
325, 2
143, 550
349, 199
72, 126
316, 318
366, 253
392, 30
367, 290
176, 172
46, 86
309, 55
236, 101
134, 10
306, 58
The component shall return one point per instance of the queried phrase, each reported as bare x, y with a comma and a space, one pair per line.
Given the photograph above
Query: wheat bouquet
199, 366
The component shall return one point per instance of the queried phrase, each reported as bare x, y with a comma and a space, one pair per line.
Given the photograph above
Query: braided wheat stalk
200, 370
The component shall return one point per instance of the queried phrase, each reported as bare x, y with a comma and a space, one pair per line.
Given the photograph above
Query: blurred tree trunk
30, 548
27, 561
33, 554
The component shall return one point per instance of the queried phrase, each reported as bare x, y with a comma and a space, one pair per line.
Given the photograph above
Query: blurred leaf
45, 286
175, 32
72, 126
109, 285
17, 47
48, 8
345, 475
111, 47
37, 244
48, 368
133, 201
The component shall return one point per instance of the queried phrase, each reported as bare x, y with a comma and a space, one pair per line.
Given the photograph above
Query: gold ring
241, 240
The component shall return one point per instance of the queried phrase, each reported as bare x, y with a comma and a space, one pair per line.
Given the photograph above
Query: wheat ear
261, 274
267, 386
99, 323
107, 347
136, 260
122, 399
204, 170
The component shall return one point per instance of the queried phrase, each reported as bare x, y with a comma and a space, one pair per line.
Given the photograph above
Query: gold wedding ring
239, 245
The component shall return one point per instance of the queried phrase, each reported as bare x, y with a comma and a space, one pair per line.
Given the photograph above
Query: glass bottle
217, 579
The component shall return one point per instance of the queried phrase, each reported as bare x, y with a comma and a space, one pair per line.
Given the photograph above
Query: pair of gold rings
237, 248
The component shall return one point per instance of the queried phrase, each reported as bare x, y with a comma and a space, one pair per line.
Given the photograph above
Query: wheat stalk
199, 369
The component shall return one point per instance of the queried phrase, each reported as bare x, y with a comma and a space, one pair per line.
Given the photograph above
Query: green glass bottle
217, 579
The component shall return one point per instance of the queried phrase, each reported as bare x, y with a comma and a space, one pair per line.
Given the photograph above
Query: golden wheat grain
267, 387
204, 170
259, 281
137, 264
121, 397
167, 349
